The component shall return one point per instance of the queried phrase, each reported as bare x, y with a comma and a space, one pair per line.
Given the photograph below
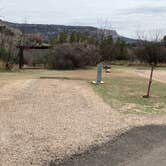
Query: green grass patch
124, 93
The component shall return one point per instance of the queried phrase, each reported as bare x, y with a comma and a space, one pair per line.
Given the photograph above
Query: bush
4, 54
73, 56
7, 58
35, 57
162, 58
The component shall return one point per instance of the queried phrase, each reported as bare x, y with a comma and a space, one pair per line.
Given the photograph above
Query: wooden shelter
22, 48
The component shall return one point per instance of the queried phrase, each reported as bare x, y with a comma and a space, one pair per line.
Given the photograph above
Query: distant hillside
8, 35
50, 31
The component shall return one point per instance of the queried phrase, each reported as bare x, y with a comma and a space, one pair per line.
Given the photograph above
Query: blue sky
125, 16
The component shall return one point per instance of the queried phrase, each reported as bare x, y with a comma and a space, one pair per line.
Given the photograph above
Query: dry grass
34, 74
124, 90
159, 75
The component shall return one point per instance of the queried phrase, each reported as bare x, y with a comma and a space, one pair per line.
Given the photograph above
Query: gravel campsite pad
44, 120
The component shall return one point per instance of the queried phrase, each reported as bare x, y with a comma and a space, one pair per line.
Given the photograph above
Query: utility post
99, 75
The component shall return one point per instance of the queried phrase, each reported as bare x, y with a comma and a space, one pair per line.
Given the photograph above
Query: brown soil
159, 75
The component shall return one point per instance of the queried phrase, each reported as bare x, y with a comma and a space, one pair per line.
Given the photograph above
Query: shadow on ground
140, 146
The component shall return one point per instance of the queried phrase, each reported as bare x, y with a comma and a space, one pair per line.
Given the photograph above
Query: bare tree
104, 29
150, 49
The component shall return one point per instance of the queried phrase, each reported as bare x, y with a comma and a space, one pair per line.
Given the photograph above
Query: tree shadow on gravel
129, 146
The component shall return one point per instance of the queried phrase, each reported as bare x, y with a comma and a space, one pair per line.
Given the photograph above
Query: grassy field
123, 88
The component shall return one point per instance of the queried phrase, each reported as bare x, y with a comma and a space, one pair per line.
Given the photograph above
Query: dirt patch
159, 75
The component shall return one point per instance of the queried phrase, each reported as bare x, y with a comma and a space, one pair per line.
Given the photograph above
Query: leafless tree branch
104, 28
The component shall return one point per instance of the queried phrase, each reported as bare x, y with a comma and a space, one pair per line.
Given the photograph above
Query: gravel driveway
44, 120
41, 120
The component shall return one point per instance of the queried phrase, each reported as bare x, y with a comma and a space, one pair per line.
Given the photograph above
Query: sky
127, 17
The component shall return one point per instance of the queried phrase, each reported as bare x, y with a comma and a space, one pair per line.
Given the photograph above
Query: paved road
142, 146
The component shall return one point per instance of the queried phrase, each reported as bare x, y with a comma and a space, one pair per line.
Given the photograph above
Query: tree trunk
7, 66
150, 82
21, 57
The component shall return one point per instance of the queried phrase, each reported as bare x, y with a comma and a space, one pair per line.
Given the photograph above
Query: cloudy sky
126, 16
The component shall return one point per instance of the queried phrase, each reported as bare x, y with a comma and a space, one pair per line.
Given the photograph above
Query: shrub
35, 57
73, 56
7, 58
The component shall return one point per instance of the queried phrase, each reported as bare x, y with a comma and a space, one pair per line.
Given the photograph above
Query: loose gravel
45, 120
